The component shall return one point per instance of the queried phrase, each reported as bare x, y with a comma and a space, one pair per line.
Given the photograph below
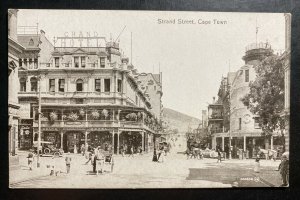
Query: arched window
33, 83
22, 84
79, 85
31, 43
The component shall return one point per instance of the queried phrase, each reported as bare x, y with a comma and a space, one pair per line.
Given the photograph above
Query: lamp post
39, 123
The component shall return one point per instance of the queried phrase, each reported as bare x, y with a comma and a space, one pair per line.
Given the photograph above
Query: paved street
141, 172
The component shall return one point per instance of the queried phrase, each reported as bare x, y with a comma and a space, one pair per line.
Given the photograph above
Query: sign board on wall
24, 111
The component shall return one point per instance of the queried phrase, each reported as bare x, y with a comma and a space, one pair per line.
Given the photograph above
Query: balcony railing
216, 130
95, 123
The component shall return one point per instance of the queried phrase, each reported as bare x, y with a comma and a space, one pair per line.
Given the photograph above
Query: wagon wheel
47, 151
56, 154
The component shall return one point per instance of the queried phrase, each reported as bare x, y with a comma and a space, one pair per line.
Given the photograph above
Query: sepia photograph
113, 99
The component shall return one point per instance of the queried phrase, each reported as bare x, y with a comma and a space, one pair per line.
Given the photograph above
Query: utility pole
39, 124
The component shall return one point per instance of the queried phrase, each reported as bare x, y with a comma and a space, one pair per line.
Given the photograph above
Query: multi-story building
89, 96
151, 85
287, 79
244, 131
14, 51
37, 50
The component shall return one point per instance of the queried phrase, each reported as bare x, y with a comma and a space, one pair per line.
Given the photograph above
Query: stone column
143, 140
85, 137
222, 143
118, 143
113, 141
61, 139
272, 142
213, 142
244, 143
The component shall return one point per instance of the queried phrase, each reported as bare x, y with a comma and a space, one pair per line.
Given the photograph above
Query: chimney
214, 98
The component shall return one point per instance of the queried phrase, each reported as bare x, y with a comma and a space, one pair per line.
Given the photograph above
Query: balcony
95, 123
216, 130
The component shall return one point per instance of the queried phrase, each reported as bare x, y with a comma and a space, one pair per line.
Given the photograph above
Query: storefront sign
24, 111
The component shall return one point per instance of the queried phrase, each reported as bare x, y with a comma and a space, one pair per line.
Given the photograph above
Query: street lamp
230, 111
39, 123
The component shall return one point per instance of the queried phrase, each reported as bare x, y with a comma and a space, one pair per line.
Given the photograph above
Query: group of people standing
160, 155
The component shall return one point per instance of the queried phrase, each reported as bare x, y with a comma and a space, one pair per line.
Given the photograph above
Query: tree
266, 96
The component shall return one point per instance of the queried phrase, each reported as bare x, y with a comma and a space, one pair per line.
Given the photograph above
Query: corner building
89, 95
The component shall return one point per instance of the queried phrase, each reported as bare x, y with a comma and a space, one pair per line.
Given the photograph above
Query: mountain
180, 121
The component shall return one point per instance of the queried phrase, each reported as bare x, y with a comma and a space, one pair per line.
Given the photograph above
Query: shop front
72, 141
53, 137
131, 139
25, 134
102, 139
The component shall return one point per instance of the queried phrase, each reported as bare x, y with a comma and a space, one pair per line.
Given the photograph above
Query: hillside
180, 121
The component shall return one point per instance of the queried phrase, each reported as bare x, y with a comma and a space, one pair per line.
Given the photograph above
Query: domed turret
257, 52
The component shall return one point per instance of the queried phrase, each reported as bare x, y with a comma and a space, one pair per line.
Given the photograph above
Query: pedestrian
257, 165
30, 158
90, 155
131, 152
284, 169
53, 166
68, 160
75, 149
82, 149
219, 155
154, 159
94, 162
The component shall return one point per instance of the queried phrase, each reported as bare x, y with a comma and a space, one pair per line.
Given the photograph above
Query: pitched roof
29, 41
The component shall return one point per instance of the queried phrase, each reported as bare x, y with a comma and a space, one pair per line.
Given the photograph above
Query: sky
192, 57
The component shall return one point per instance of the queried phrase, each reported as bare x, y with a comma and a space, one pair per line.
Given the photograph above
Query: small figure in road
94, 162
154, 159
219, 155
89, 158
284, 170
68, 160
75, 149
131, 152
257, 165
82, 149
30, 158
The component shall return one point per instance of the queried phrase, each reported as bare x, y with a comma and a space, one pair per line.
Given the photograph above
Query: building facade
89, 96
37, 50
14, 51
286, 57
244, 132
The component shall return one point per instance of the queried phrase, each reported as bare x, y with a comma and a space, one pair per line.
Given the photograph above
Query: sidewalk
23, 173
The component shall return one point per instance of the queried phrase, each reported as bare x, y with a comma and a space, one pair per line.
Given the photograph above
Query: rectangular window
76, 62
35, 63
102, 62
61, 85
256, 122
106, 85
30, 64
119, 85
22, 85
33, 86
51, 85
20, 62
98, 85
56, 62
240, 123
247, 75
83, 62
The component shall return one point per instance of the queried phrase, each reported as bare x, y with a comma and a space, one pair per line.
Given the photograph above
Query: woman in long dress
154, 159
